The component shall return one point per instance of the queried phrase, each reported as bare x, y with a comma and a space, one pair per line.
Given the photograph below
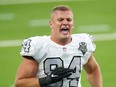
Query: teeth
64, 30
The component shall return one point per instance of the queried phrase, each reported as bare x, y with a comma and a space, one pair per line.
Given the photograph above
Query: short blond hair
61, 8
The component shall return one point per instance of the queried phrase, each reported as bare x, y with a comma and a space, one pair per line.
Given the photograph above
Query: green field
20, 21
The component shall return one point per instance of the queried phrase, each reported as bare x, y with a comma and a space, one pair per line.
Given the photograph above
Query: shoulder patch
83, 47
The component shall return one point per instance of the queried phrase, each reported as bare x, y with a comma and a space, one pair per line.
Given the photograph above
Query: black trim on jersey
29, 57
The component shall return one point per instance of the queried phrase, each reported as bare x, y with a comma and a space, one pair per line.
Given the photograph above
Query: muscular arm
26, 75
93, 72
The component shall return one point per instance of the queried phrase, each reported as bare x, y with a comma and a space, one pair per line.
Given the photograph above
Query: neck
61, 41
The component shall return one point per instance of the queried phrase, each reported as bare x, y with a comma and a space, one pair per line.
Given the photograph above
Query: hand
56, 75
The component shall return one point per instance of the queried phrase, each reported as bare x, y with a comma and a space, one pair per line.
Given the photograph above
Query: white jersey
50, 55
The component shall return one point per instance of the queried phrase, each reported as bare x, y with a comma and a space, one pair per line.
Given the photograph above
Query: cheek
72, 25
56, 26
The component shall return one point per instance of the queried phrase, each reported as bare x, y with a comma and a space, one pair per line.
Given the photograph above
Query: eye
69, 19
60, 19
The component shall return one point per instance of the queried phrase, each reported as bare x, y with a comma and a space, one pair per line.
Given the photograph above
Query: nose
65, 22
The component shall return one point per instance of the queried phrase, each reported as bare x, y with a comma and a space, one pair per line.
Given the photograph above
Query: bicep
27, 69
91, 65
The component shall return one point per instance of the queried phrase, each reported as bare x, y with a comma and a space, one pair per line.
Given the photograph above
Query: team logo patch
83, 47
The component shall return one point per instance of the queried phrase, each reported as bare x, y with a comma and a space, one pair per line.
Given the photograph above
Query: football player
57, 60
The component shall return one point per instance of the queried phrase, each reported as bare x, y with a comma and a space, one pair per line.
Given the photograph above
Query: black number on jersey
26, 45
51, 63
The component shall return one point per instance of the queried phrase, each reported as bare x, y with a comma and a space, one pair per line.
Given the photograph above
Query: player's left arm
93, 72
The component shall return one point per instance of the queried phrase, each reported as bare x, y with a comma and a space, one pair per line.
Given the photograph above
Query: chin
66, 36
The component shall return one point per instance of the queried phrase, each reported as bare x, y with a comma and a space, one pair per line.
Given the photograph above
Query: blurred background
20, 19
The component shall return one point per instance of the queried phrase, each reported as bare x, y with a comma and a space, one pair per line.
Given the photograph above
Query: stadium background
25, 18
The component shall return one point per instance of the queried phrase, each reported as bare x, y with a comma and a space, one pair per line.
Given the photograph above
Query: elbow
17, 83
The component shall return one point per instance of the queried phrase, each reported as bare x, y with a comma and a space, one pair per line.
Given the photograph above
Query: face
61, 25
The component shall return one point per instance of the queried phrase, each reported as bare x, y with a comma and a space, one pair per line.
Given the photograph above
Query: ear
73, 27
50, 24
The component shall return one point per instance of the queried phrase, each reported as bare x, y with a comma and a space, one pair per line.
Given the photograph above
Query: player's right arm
26, 74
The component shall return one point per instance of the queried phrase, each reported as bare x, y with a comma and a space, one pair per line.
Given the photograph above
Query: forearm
95, 78
27, 82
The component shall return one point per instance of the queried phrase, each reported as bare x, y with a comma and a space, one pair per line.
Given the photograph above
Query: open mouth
65, 31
